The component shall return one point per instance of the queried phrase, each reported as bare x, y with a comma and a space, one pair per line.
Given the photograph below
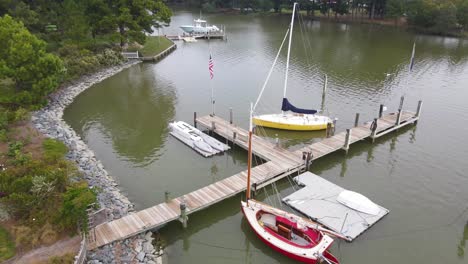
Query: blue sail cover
287, 106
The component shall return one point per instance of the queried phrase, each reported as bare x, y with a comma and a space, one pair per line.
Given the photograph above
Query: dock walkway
279, 163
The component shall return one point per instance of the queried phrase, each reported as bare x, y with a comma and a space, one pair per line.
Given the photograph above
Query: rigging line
278, 195
271, 70
222, 247
303, 31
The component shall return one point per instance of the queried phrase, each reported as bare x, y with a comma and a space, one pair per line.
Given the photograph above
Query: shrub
76, 200
14, 148
21, 114
7, 247
54, 149
110, 57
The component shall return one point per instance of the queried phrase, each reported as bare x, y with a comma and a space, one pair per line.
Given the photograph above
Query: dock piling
183, 213
418, 110
166, 196
329, 128
402, 99
381, 110
373, 128
356, 120
195, 119
347, 140
230, 115
213, 126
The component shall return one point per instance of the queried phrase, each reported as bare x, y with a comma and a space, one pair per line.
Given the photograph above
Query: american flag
412, 57
210, 67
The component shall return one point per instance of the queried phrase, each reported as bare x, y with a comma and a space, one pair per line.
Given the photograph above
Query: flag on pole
210, 67
412, 57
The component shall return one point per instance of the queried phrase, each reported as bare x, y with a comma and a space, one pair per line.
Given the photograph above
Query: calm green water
419, 173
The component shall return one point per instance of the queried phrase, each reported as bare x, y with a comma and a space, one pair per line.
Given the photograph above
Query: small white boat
196, 139
187, 132
358, 202
200, 27
189, 39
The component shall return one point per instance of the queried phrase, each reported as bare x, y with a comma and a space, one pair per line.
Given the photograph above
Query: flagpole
212, 98
210, 69
410, 67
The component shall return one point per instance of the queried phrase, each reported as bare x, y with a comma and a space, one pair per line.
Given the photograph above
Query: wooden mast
249, 158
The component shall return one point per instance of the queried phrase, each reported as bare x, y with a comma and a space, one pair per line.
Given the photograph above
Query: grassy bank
154, 45
7, 247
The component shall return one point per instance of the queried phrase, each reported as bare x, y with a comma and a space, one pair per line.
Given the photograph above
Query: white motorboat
200, 27
188, 132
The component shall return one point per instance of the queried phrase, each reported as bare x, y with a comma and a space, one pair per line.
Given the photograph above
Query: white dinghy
358, 202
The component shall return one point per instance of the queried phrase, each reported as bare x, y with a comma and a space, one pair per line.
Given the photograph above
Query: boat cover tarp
287, 106
318, 200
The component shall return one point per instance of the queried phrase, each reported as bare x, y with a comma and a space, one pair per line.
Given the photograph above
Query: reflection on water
462, 245
133, 115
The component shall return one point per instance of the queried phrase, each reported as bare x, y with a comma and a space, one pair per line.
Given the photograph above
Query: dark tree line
81, 20
438, 16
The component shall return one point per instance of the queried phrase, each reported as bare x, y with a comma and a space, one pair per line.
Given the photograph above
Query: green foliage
32, 189
154, 45
14, 148
436, 16
76, 200
79, 62
208, 7
462, 13
23, 59
7, 247
263, 5
395, 8
54, 149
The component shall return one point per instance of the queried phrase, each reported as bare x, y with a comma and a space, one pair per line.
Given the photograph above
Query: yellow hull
283, 126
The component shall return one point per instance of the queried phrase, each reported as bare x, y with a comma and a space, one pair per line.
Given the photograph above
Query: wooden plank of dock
279, 163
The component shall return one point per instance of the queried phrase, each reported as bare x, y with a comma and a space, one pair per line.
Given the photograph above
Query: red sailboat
294, 236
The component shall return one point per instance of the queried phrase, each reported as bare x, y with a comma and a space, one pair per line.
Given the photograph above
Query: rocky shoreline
49, 121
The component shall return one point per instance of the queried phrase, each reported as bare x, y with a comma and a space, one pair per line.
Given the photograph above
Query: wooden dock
279, 163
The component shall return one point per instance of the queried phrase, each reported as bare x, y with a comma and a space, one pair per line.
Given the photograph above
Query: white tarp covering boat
320, 201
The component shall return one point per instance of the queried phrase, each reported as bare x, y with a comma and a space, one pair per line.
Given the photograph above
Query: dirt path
42, 254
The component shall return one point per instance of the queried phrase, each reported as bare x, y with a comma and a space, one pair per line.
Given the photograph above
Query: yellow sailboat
291, 117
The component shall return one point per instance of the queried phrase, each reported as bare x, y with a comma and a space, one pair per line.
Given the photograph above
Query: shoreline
49, 121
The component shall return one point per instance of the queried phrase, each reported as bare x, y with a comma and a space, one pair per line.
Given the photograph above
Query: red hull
286, 253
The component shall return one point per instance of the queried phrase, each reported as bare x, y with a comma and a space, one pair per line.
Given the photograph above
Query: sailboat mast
289, 51
249, 158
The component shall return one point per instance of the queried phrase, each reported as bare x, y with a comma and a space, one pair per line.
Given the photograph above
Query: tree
462, 13
395, 9
23, 59
135, 18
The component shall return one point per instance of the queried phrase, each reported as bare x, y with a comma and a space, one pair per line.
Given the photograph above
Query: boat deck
279, 163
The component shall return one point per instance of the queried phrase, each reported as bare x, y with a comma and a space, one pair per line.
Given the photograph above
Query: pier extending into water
279, 163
